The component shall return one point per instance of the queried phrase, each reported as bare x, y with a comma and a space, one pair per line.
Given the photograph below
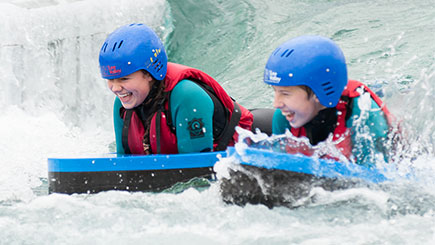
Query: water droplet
194, 110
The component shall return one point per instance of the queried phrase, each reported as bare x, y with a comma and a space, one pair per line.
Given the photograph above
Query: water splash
288, 143
50, 53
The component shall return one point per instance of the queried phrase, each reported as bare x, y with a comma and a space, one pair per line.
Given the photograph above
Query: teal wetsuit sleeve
369, 131
192, 114
279, 123
118, 123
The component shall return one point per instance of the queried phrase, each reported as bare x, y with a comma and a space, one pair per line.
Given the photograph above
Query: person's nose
277, 102
114, 86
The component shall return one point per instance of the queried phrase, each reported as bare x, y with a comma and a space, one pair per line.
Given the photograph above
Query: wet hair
152, 103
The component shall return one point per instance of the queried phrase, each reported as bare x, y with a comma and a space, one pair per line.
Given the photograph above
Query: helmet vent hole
276, 51
328, 88
326, 84
104, 47
120, 43
157, 65
160, 67
114, 46
287, 52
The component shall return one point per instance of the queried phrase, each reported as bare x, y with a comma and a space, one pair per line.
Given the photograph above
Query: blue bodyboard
280, 179
114, 162
303, 164
128, 172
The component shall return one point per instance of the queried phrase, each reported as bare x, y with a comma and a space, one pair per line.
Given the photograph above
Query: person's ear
318, 102
315, 98
147, 76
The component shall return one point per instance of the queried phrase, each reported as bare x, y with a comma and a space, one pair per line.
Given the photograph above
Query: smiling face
132, 89
295, 104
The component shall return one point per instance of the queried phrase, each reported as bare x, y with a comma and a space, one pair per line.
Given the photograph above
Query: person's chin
128, 106
295, 125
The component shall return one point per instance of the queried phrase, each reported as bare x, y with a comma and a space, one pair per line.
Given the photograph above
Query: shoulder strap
230, 128
126, 126
158, 129
161, 106
221, 114
348, 102
167, 112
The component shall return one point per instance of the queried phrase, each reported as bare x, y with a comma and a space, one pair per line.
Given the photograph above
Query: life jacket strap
158, 131
125, 128
230, 128
161, 106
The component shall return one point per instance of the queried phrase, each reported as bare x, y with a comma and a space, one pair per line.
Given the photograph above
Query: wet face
295, 105
132, 89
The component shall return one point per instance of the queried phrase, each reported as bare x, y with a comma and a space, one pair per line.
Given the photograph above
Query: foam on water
26, 143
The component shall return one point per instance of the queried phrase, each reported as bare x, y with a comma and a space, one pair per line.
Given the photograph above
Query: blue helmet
313, 61
131, 48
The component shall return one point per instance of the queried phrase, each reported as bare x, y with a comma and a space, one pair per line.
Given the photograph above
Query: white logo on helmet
271, 76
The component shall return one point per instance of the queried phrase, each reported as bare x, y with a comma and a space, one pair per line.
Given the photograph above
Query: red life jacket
163, 139
341, 134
